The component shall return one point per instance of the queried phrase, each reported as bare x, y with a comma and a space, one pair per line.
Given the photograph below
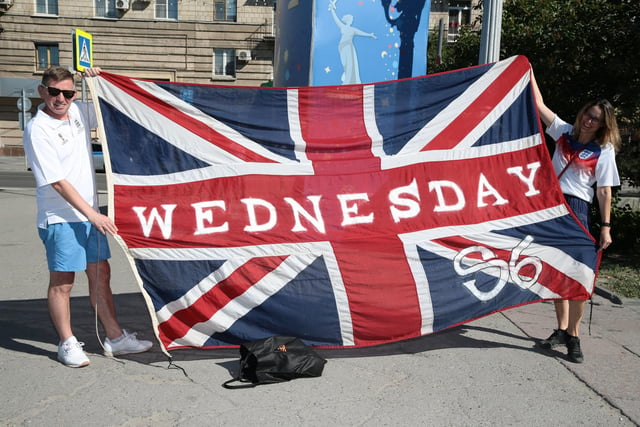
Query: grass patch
620, 275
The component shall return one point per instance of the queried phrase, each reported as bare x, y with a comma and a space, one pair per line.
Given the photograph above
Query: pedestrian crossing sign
82, 50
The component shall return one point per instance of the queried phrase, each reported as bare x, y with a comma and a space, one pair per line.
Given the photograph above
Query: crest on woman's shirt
585, 154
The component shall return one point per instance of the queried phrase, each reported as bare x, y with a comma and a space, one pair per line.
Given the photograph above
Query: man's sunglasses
54, 91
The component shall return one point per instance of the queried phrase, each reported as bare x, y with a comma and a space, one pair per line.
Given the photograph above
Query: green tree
579, 50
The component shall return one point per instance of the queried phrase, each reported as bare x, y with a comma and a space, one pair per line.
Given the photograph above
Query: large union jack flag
345, 216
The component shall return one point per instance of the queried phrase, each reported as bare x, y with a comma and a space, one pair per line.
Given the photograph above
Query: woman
584, 156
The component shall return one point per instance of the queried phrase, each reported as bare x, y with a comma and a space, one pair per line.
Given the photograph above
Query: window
459, 14
225, 10
106, 8
439, 6
47, 54
224, 63
47, 7
167, 9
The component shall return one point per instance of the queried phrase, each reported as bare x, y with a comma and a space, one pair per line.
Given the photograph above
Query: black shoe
573, 349
558, 337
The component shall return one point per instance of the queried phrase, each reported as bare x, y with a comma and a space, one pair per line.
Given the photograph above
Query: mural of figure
407, 23
348, 56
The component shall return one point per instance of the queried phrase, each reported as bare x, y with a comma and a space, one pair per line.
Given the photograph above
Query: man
57, 143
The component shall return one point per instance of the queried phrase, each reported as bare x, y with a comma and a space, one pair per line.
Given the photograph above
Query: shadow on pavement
25, 323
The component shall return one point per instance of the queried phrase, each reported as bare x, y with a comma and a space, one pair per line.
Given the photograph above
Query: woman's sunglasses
53, 91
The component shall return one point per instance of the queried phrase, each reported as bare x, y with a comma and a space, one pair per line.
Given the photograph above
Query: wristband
605, 224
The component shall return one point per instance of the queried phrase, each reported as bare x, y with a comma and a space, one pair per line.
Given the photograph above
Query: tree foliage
579, 50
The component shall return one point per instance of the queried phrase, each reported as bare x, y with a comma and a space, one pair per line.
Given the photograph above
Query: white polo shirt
61, 149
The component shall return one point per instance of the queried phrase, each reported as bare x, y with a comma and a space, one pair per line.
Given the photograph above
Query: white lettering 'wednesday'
404, 204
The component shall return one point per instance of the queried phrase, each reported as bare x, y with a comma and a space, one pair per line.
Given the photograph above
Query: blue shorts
71, 246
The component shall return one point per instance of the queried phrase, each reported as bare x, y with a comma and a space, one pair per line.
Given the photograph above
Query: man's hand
103, 224
91, 72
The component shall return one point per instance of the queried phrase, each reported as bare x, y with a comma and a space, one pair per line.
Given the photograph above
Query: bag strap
247, 383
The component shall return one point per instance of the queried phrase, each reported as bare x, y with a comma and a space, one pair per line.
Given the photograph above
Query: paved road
485, 373
14, 173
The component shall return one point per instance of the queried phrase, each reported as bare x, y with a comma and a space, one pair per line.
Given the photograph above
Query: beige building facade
196, 41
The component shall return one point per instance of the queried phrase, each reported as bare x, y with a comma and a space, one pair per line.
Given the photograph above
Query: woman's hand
605, 238
604, 196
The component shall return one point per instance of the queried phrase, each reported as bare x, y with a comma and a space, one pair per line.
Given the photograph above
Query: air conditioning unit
122, 4
243, 55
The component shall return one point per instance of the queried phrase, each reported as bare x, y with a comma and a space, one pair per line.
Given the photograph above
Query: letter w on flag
345, 216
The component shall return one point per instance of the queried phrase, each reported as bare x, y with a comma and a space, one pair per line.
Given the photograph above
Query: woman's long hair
608, 132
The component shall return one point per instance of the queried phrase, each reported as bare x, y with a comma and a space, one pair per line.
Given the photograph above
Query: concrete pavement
487, 372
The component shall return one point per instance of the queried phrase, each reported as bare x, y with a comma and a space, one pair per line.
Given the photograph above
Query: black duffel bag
275, 359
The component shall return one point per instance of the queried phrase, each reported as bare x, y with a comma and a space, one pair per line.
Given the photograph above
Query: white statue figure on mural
348, 56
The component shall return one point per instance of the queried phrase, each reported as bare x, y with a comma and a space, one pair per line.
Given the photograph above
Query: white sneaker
125, 344
70, 353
